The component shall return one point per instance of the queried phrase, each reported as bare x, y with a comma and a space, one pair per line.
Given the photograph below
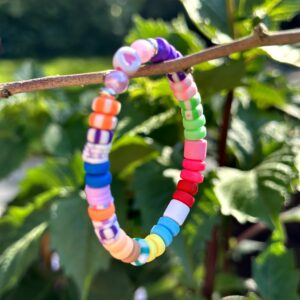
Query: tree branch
260, 37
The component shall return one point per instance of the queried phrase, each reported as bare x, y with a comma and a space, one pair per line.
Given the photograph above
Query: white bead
127, 60
177, 211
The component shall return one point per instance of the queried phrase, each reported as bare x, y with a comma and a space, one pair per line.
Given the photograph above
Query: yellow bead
159, 243
152, 248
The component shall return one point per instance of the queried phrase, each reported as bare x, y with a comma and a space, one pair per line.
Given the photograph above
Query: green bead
195, 134
191, 103
192, 114
194, 124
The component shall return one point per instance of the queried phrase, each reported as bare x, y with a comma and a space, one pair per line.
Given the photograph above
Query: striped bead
144, 252
98, 136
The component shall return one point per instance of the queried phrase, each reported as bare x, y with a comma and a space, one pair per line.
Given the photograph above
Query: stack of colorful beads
103, 121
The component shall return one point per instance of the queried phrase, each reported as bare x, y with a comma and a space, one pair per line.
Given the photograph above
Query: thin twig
260, 37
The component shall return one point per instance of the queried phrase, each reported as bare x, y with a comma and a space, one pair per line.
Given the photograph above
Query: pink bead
127, 60
144, 49
181, 85
194, 165
187, 94
195, 149
99, 202
117, 81
98, 192
191, 176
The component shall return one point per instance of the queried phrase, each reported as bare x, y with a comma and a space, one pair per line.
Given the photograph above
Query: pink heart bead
144, 48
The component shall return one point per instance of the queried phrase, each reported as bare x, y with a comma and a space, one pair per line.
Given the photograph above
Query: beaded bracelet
103, 121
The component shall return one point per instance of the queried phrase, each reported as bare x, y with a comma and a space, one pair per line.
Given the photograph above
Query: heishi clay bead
99, 202
144, 252
192, 114
98, 192
196, 134
125, 251
159, 243
97, 136
106, 105
164, 233
195, 149
92, 159
184, 197
153, 250
117, 81
191, 91
96, 168
102, 121
144, 48
177, 211
187, 186
194, 124
106, 223
93, 152
118, 243
191, 176
98, 181
101, 215
127, 60
194, 165
109, 233
134, 253
191, 103
169, 224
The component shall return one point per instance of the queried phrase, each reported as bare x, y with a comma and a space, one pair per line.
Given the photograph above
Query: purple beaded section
163, 51
97, 136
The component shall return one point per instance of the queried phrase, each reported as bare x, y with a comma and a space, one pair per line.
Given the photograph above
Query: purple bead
172, 53
117, 81
163, 51
176, 77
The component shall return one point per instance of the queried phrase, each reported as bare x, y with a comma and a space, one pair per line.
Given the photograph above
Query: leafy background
242, 236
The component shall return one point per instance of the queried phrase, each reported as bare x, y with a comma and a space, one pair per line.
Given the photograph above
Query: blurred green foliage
39, 28
48, 216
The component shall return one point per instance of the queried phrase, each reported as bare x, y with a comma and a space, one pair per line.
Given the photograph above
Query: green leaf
128, 150
224, 77
291, 215
177, 33
72, 236
266, 95
257, 194
210, 17
19, 220
60, 172
18, 257
151, 186
287, 54
275, 273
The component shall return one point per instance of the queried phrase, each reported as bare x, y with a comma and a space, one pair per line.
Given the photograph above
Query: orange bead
101, 214
106, 104
134, 254
118, 243
101, 121
125, 251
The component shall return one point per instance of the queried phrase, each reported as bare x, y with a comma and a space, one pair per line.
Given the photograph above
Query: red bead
184, 198
187, 186
193, 165
191, 176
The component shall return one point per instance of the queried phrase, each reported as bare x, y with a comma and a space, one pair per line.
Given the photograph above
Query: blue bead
170, 224
97, 181
164, 233
96, 168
